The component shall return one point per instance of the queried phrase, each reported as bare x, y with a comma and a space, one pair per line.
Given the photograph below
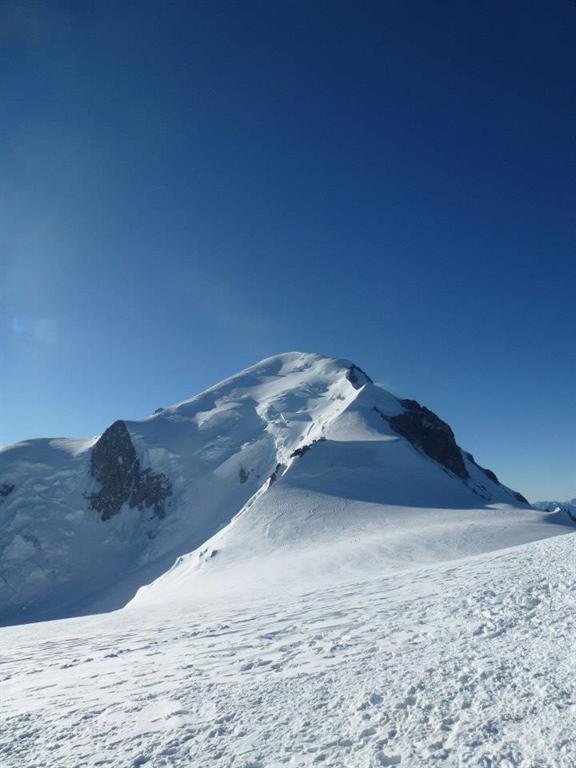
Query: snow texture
465, 663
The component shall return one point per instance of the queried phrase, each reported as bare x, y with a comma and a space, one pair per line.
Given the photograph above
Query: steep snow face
299, 448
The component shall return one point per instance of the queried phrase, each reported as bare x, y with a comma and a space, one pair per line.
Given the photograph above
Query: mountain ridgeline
85, 523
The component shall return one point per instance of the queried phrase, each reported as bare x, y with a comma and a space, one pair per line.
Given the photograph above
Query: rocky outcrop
429, 434
357, 377
243, 474
305, 448
278, 470
115, 465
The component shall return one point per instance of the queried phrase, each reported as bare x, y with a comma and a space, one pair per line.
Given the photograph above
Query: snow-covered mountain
569, 507
298, 463
312, 573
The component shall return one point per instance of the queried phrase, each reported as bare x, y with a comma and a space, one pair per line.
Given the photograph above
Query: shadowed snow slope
297, 468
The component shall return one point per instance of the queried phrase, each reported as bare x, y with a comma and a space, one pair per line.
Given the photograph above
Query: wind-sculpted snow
461, 665
295, 449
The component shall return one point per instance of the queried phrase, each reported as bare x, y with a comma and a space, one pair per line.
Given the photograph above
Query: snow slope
459, 665
299, 459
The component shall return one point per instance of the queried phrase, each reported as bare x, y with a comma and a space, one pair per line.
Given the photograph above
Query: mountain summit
297, 451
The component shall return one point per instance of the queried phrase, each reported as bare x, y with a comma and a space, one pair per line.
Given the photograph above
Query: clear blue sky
187, 187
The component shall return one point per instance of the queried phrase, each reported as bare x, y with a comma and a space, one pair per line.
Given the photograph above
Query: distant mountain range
552, 506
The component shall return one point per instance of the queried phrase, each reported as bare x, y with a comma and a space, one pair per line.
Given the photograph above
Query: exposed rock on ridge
115, 465
357, 377
430, 434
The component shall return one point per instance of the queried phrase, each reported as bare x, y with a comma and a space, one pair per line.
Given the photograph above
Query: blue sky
188, 187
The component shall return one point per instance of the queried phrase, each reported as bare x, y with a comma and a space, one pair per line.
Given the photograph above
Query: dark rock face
304, 448
243, 474
357, 377
151, 489
430, 434
6, 489
115, 465
278, 470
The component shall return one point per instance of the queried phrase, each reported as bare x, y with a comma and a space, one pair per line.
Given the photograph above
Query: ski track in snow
468, 663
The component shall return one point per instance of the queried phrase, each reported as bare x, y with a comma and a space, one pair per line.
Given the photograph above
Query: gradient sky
187, 187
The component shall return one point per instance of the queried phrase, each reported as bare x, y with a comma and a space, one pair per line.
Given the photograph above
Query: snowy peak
280, 446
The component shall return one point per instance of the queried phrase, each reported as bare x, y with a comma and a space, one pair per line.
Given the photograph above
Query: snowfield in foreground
467, 663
